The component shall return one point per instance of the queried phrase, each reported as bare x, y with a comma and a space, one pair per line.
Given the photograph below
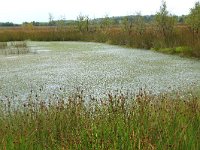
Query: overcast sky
19, 11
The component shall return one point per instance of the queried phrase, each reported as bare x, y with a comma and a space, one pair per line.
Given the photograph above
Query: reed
3, 45
149, 38
118, 121
14, 48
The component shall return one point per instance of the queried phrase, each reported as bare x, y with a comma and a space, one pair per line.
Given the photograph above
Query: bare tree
105, 22
61, 27
139, 24
127, 24
83, 23
51, 19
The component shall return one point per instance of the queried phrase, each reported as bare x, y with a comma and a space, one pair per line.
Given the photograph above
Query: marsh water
95, 68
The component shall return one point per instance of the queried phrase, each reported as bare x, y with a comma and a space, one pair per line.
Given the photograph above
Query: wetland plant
20, 44
118, 121
3, 45
12, 48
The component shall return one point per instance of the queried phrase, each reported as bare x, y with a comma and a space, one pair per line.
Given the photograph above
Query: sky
18, 11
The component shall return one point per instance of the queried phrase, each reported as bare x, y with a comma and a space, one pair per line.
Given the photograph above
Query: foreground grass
119, 121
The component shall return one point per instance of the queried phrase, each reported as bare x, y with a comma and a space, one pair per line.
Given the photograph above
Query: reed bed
3, 45
117, 121
150, 38
14, 48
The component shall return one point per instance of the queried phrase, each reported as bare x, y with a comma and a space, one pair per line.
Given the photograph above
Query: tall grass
3, 45
118, 121
12, 48
150, 38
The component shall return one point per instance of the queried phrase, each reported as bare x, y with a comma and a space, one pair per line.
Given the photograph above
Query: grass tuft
13, 48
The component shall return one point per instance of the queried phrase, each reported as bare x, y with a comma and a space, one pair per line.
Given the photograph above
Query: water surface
96, 68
